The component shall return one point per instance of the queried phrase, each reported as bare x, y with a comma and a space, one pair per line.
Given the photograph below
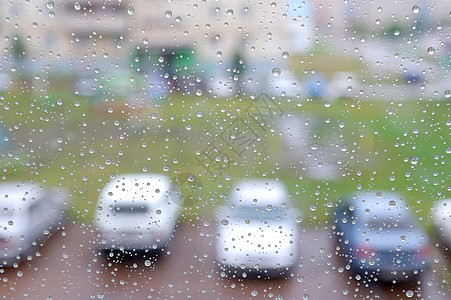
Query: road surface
70, 267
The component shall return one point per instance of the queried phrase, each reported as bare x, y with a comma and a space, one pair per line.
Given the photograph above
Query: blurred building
142, 33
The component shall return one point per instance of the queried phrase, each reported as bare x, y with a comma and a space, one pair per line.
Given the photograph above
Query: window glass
213, 149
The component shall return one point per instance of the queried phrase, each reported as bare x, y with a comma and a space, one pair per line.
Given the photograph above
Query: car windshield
127, 209
388, 224
258, 213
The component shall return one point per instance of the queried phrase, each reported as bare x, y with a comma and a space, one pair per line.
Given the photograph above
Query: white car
137, 212
257, 230
441, 215
29, 214
284, 85
343, 85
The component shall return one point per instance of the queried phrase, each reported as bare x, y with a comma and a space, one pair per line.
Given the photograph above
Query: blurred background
328, 97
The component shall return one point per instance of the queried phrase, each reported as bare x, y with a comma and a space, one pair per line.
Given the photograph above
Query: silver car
29, 214
441, 215
257, 230
137, 212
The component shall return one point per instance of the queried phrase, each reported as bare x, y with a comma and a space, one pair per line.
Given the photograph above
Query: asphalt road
70, 267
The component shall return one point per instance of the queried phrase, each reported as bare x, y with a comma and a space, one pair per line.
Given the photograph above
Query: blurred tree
18, 48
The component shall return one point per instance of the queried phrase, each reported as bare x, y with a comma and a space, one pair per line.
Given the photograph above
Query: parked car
284, 85
5, 81
441, 215
137, 212
29, 214
343, 85
380, 237
221, 85
257, 230
85, 87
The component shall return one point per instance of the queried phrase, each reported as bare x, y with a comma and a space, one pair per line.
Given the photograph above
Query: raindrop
276, 72
431, 50
50, 4
224, 222
51, 14
130, 11
410, 293
199, 114
285, 54
168, 14
77, 5
414, 160
447, 93
230, 12
178, 19
416, 9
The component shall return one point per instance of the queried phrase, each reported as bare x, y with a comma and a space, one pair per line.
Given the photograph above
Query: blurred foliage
374, 145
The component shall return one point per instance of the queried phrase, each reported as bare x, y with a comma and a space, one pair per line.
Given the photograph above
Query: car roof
19, 195
259, 192
379, 205
134, 187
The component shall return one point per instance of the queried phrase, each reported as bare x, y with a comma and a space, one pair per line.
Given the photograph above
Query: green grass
72, 146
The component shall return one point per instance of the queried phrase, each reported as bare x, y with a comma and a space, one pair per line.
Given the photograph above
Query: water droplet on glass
230, 12
51, 14
50, 4
168, 14
431, 50
410, 293
130, 11
276, 72
416, 9
224, 222
285, 54
199, 114
178, 19
77, 5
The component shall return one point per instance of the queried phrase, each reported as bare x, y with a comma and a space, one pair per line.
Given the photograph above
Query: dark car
379, 236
